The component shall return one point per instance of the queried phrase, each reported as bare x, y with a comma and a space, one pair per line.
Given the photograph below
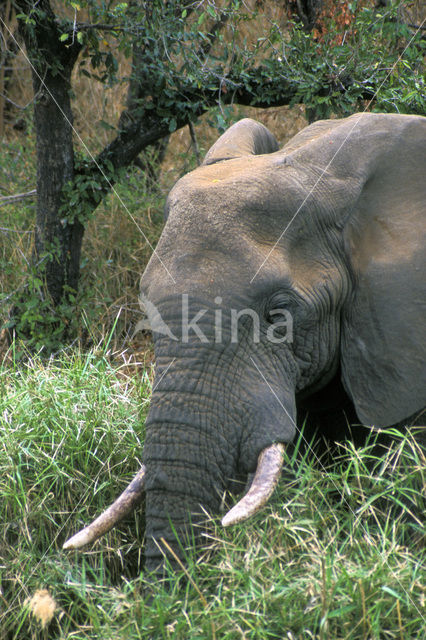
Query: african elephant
285, 281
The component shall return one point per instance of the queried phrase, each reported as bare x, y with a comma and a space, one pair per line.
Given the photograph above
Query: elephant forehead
216, 266
230, 170
233, 189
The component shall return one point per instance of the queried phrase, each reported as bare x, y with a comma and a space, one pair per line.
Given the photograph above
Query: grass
116, 247
335, 554
118, 239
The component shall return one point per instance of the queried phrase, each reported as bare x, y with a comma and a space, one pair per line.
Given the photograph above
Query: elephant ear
246, 137
384, 323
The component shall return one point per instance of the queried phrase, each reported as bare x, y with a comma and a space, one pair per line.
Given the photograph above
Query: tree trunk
307, 11
58, 238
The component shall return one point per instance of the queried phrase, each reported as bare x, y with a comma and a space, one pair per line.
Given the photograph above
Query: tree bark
58, 239
146, 121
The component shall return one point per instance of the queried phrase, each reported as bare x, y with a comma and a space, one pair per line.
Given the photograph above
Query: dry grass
322, 561
114, 250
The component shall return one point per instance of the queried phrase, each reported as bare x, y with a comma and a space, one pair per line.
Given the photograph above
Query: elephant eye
281, 308
273, 315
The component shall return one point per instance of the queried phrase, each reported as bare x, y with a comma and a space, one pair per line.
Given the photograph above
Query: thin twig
18, 196
194, 142
6, 230
18, 106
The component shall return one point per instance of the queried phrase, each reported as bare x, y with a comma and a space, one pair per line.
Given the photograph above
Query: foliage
86, 189
187, 58
199, 59
338, 67
376, 64
113, 248
336, 554
45, 326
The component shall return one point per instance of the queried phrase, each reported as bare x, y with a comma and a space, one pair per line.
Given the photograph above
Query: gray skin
330, 228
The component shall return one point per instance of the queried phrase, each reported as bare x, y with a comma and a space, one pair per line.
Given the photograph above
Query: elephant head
281, 276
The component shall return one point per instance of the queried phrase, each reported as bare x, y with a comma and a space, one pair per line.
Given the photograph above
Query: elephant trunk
188, 467
199, 438
175, 518
174, 523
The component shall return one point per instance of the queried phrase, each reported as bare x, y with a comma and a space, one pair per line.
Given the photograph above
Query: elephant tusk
109, 518
266, 478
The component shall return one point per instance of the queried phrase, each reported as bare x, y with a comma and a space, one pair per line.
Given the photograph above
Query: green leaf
64, 37
341, 612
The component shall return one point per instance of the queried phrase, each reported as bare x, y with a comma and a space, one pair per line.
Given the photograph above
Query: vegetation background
339, 552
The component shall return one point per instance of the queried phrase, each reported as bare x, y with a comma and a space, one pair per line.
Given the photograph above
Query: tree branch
258, 90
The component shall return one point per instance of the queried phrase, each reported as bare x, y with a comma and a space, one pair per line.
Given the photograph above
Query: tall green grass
337, 553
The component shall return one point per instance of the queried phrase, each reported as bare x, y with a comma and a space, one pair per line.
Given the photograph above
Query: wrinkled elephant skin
287, 283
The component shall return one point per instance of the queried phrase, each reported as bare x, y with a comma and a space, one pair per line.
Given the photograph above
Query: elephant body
288, 284
329, 228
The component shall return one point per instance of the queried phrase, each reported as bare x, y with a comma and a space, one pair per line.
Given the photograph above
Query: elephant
288, 285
